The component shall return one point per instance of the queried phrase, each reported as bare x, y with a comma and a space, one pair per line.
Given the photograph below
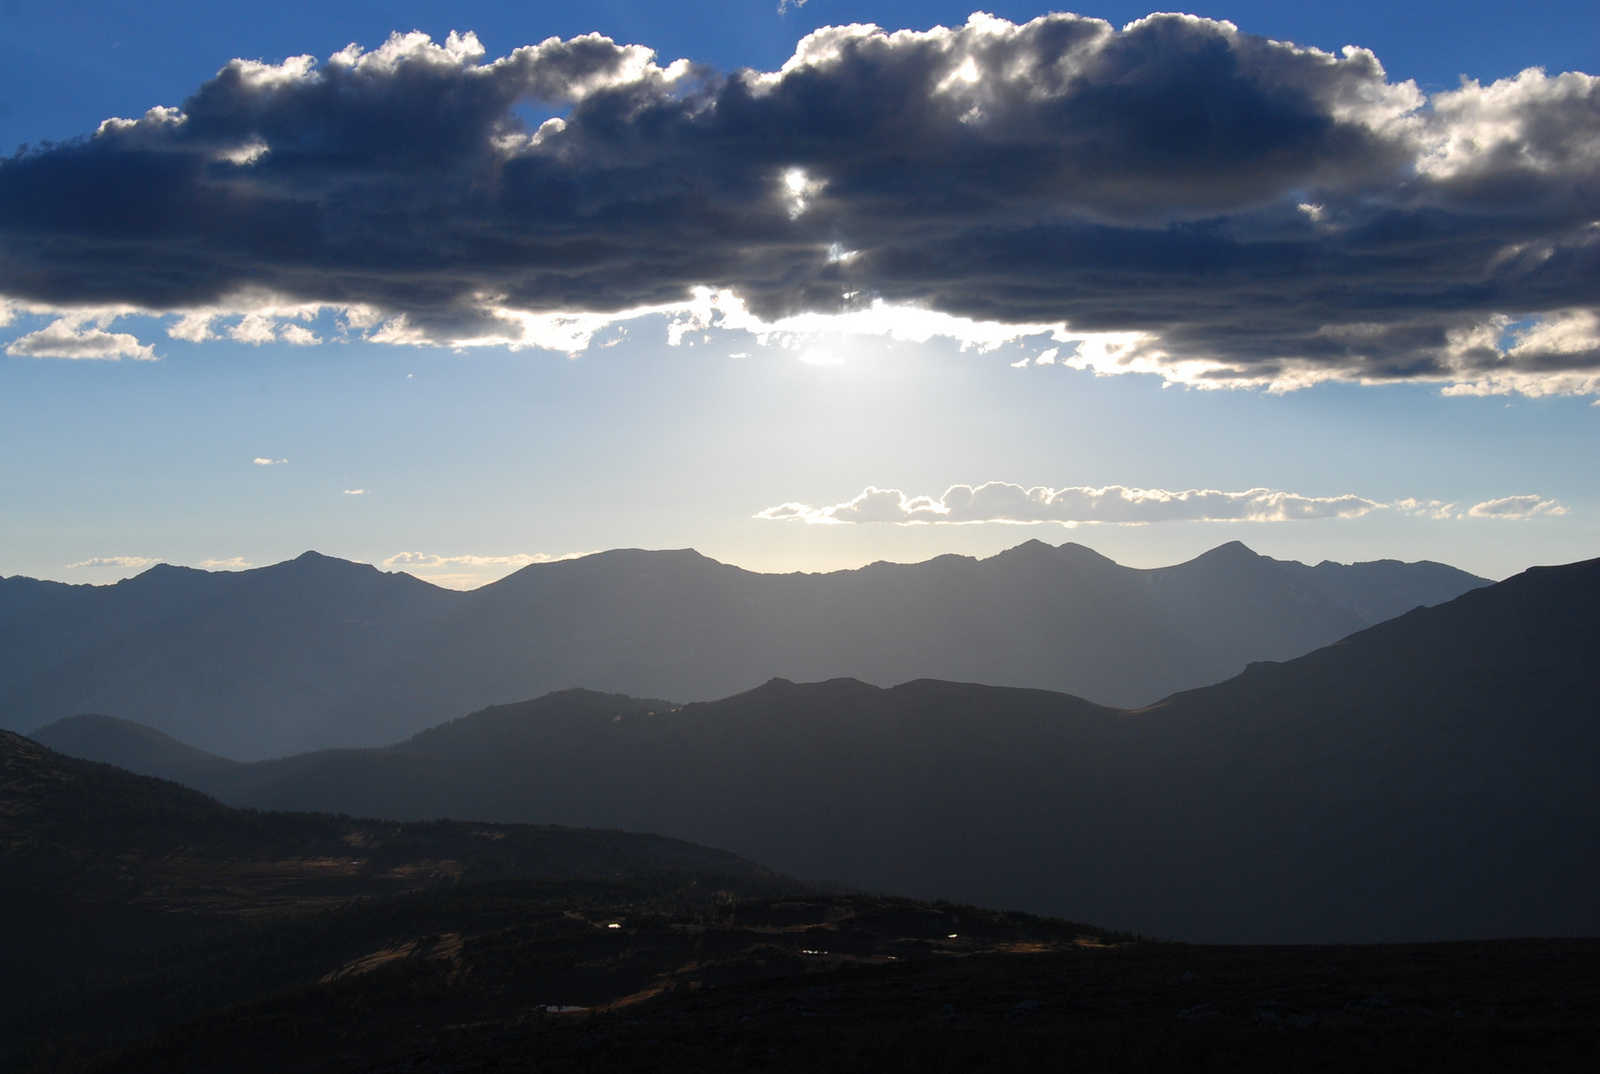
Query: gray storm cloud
1174, 197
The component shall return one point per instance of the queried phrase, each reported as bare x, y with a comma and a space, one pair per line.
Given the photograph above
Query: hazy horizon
487, 574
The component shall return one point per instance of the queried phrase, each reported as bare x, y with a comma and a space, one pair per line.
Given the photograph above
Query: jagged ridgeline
319, 652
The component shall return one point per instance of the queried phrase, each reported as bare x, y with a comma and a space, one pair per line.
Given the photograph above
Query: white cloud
904, 323
125, 562
74, 338
257, 328
258, 317
355, 492
254, 328
270, 462
999, 501
192, 328
1515, 507
1425, 508
1512, 124
233, 563
261, 318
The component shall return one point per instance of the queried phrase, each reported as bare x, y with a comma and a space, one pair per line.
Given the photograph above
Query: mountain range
1430, 777
319, 652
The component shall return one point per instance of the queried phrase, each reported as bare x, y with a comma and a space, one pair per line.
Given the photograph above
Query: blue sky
459, 459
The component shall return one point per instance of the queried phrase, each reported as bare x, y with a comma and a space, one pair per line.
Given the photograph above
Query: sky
454, 288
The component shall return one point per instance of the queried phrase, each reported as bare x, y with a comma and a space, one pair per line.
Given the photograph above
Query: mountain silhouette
319, 652
1431, 777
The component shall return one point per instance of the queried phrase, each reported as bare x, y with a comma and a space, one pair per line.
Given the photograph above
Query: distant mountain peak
161, 572
1229, 550
129, 744
315, 560
1079, 552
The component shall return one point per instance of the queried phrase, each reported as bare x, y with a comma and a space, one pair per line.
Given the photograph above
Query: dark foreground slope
243, 943
319, 652
134, 909
1429, 778
93, 855
938, 1005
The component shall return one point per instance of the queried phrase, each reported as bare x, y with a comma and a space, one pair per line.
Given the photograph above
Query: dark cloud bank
1239, 210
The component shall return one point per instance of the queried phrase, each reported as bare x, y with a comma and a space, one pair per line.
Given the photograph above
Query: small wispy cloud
72, 338
270, 462
355, 492
999, 501
125, 562
1048, 357
234, 563
265, 324
1515, 507
1002, 502
259, 328
1425, 508
1507, 507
